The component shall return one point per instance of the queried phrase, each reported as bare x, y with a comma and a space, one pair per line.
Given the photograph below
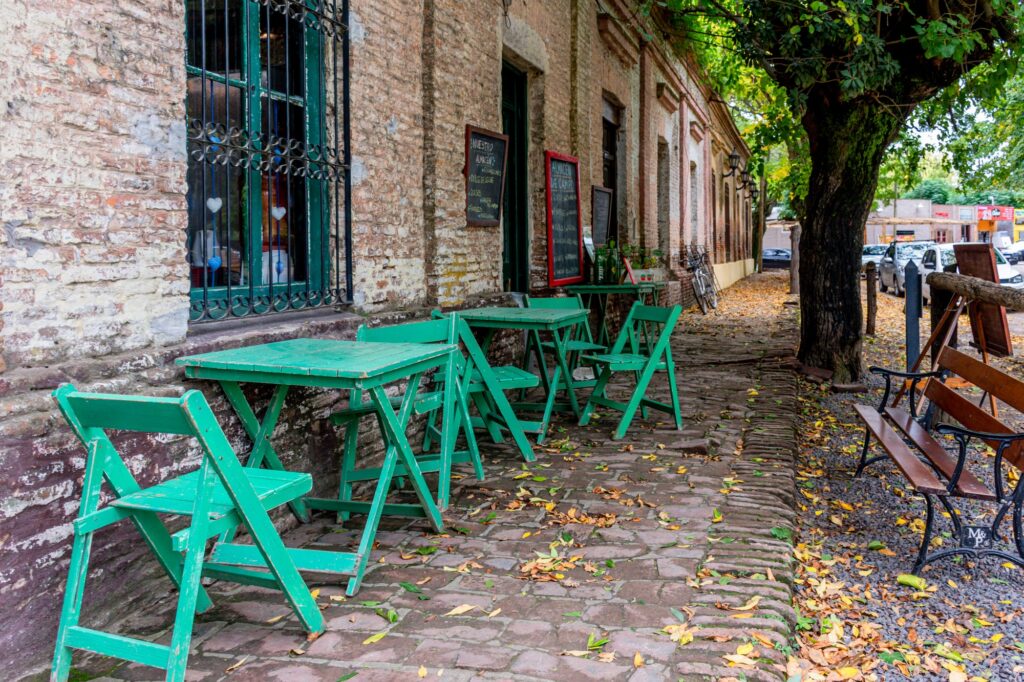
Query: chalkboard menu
601, 210
485, 176
565, 231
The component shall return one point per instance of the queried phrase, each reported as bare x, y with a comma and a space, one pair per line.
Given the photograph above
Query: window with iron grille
269, 216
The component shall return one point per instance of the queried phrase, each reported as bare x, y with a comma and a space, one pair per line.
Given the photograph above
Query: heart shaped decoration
214, 263
214, 204
278, 212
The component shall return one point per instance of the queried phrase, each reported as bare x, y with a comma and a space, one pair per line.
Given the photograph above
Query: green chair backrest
421, 331
90, 415
555, 303
644, 322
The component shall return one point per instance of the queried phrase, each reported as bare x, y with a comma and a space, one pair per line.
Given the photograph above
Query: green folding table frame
559, 323
342, 365
595, 297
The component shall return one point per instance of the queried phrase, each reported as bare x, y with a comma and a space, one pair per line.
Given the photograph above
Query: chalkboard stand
477, 215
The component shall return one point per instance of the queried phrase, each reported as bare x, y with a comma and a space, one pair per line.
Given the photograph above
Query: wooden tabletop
319, 357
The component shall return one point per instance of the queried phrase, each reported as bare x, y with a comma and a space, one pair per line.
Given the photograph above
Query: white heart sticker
214, 204
278, 212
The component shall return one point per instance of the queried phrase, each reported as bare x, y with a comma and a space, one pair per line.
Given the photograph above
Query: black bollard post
912, 287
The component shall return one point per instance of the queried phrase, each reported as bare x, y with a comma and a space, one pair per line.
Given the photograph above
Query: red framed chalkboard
565, 222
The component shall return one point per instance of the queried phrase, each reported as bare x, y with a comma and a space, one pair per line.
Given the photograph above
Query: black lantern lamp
744, 179
754, 192
734, 163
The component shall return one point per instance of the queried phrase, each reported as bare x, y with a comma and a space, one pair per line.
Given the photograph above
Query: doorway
610, 142
515, 265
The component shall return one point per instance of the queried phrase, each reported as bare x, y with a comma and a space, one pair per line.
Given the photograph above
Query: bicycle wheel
700, 291
712, 296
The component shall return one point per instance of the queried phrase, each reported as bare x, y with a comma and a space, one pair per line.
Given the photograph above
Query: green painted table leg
260, 434
449, 432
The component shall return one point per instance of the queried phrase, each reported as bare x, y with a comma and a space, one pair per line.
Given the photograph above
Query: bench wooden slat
1003, 386
914, 470
972, 417
968, 484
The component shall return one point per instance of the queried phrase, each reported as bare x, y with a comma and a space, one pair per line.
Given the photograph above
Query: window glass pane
282, 39
284, 194
217, 239
221, 24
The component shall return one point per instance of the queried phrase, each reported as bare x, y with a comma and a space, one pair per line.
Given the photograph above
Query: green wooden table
556, 322
344, 365
595, 297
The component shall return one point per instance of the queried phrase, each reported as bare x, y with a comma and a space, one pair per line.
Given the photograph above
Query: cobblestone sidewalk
571, 569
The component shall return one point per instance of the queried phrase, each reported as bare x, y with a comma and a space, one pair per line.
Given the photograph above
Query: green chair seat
508, 377
178, 495
622, 362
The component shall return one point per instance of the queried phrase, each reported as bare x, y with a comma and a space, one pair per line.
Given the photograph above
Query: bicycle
705, 288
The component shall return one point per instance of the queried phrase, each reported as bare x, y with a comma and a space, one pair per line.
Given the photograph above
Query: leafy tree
852, 71
938, 191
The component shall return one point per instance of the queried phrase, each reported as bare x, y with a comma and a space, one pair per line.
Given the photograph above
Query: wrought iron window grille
268, 134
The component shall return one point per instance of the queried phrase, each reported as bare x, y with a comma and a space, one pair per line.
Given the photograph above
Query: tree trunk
847, 142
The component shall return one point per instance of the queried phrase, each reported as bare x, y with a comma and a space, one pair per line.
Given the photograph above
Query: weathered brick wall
462, 67
92, 170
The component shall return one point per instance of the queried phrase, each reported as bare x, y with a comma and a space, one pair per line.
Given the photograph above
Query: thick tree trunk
847, 142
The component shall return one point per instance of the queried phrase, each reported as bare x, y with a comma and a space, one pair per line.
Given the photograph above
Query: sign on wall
565, 228
486, 154
601, 212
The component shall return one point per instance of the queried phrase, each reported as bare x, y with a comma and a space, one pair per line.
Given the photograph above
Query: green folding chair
220, 495
506, 377
427, 331
580, 340
658, 323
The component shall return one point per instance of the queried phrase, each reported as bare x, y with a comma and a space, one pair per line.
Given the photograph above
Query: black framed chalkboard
565, 228
601, 213
486, 154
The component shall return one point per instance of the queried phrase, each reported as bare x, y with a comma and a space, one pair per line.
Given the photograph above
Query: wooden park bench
935, 472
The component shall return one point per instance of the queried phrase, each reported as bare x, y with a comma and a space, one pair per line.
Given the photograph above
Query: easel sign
989, 326
565, 223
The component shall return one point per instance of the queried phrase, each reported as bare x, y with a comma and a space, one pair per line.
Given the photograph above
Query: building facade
184, 176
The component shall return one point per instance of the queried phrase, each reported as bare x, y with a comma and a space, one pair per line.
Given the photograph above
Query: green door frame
515, 274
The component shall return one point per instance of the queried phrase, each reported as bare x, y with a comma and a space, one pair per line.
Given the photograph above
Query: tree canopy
842, 77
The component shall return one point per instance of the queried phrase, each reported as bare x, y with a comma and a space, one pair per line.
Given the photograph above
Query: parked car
940, 256
776, 258
895, 258
1014, 252
872, 253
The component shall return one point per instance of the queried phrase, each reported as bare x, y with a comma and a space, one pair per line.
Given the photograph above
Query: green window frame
268, 156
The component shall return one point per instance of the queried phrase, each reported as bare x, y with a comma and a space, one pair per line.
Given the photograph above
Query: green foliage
937, 190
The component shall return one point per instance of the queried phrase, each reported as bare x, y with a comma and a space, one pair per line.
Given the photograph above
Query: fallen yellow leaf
461, 609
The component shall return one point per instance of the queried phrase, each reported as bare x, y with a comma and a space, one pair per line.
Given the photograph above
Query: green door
515, 230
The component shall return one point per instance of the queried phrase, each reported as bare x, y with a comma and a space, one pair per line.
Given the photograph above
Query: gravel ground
857, 536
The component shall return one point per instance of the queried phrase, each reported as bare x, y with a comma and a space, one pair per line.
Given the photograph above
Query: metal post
912, 287
871, 281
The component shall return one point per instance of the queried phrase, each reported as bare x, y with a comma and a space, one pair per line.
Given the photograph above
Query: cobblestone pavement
688, 529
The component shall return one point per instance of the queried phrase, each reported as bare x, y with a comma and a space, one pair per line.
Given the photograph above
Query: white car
940, 256
1014, 252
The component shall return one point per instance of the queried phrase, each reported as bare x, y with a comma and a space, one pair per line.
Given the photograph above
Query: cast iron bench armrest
888, 374
963, 435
